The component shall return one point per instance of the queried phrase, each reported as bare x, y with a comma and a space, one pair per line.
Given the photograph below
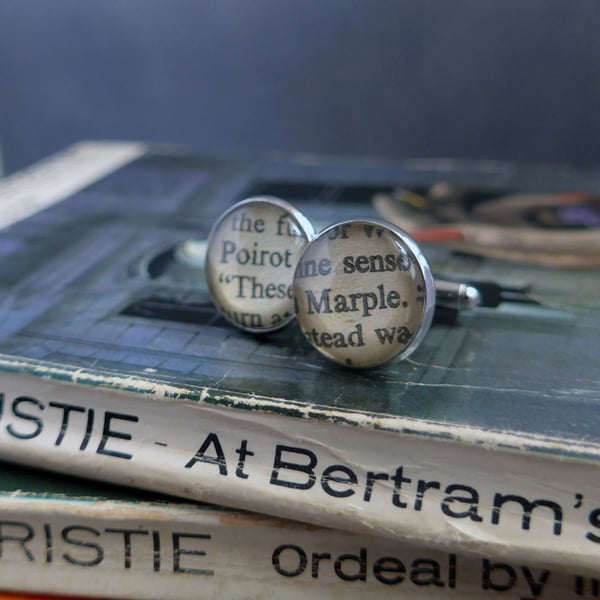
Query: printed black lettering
246, 224
393, 297
329, 476
389, 570
594, 520
369, 303
360, 566
490, 573
422, 487
301, 556
68, 538
251, 287
290, 229
362, 264
316, 559
371, 479
536, 585
156, 551
368, 229
390, 262
245, 319
339, 232
89, 426
279, 464
48, 539
528, 507
107, 433
348, 262
178, 552
127, 549
375, 263
365, 303
425, 571
322, 305
255, 256
386, 335
398, 480
243, 452
340, 303
472, 501
326, 339
17, 404
8, 534
228, 248
212, 439
452, 570
312, 268
66, 411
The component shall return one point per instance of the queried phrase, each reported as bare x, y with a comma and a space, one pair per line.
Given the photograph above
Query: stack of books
152, 450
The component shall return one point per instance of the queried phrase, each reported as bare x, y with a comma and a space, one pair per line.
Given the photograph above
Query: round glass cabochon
364, 293
252, 252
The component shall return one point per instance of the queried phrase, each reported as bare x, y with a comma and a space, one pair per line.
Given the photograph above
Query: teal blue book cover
116, 365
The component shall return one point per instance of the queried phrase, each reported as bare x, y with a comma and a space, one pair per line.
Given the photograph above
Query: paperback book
60, 535
115, 364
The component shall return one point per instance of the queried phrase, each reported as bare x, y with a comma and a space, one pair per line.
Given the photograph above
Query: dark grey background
515, 80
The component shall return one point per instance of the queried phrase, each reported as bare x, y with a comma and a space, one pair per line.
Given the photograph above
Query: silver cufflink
361, 290
252, 253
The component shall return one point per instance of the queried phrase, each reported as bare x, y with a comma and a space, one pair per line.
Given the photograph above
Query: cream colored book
60, 535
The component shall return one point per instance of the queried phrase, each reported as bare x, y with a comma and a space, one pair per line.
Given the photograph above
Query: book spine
117, 549
519, 507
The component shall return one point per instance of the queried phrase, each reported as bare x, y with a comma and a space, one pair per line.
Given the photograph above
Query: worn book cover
116, 365
61, 535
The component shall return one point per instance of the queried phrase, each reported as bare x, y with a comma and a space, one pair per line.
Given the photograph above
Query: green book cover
115, 364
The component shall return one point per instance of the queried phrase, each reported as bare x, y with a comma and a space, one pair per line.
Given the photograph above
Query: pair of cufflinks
361, 289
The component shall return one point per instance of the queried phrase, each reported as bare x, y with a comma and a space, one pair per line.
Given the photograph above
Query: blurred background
508, 80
